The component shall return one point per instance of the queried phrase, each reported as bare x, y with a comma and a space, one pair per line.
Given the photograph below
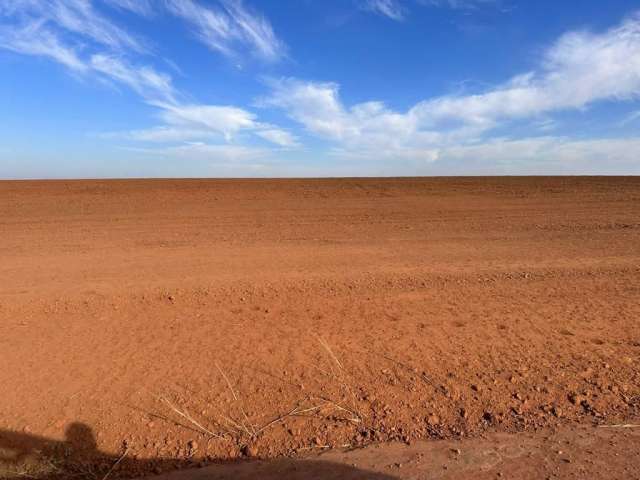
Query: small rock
250, 451
577, 399
488, 417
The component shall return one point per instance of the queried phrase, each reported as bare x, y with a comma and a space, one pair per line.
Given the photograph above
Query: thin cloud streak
388, 8
34, 38
185, 122
140, 7
230, 29
76, 17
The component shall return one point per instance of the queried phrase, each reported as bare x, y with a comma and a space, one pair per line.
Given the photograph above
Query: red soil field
172, 323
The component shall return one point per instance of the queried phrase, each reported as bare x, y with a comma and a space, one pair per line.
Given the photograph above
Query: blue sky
190, 88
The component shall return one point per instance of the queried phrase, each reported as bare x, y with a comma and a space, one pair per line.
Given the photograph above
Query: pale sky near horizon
250, 88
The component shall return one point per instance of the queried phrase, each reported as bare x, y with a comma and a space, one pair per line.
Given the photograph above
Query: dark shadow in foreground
29, 456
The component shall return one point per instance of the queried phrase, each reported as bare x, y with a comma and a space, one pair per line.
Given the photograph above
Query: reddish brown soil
578, 453
289, 316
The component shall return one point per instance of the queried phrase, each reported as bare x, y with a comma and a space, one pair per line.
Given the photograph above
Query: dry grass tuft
184, 414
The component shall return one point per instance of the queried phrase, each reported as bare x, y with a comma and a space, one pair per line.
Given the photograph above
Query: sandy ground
197, 321
579, 453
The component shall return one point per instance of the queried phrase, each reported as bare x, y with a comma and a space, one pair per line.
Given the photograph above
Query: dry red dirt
285, 317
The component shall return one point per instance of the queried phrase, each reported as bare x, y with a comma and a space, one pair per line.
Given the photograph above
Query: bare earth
161, 324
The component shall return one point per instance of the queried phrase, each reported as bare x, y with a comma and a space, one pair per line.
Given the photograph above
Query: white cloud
543, 155
68, 31
368, 128
185, 122
34, 38
226, 120
230, 29
459, 4
398, 9
76, 17
74, 34
581, 68
144, 80
630, 118
389, 8
141, 7
278, 137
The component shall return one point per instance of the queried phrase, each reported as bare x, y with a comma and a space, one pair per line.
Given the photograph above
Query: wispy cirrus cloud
388, 8
230, 28
140, 7
35, 38
74, 17
191, 122
75, 35
38, 37
580, 69
460, 4
225, 120
142, 79
630, 118
399, 9
278, 136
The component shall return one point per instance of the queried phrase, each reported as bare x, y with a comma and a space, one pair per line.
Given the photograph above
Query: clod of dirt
577, 399
433, 419
249, 451
192, 446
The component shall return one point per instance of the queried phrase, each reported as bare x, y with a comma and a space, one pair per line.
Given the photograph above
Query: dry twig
185, 414
250, 431
115, 465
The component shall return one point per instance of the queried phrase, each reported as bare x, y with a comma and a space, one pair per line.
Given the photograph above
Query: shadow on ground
77, 457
